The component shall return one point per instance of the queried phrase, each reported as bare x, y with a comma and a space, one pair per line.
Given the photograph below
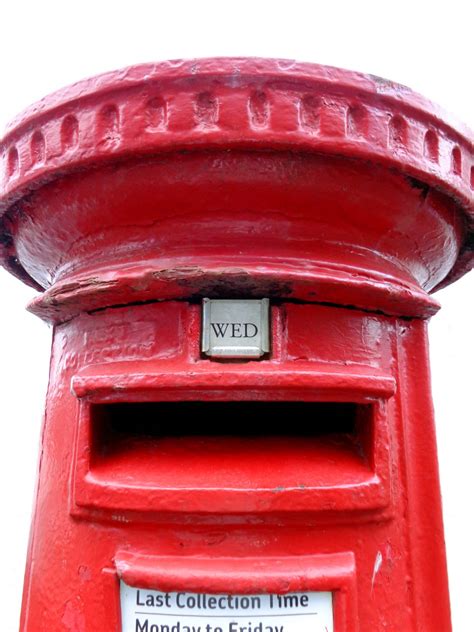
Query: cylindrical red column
308, 468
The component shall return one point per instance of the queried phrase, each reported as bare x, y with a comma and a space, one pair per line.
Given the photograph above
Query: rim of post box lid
43, 144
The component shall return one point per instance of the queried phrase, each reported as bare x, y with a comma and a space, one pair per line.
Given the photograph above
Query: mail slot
204, 445
238, 258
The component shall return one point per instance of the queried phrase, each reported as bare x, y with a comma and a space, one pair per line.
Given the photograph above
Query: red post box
237, 257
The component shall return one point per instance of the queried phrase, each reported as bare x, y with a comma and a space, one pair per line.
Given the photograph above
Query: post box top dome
236, 103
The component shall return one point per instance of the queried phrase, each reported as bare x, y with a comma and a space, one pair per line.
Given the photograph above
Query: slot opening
237, 444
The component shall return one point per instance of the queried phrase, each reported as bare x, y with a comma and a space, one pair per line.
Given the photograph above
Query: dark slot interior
241, 418
201, 443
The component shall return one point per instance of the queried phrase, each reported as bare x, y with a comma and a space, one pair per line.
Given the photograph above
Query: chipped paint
377, 565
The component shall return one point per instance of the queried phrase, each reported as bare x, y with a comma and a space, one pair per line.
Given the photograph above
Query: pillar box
237, 257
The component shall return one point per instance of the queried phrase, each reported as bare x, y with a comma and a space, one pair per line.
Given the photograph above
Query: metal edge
206, 318
265, 319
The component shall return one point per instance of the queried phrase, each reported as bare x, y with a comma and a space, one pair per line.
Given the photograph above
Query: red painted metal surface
343, 198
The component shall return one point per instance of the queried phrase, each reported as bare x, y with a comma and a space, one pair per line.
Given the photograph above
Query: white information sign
146, 610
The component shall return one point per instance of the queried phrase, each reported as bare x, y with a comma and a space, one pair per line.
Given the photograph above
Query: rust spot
235, 286
71, 289
230, 282
177, 273
417, 184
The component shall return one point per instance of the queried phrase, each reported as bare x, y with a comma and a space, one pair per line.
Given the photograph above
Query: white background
45, 45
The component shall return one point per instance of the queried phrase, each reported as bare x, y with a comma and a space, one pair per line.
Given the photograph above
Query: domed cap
333, 156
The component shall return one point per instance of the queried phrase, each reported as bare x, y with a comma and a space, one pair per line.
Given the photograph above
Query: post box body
341, 199
204, 506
